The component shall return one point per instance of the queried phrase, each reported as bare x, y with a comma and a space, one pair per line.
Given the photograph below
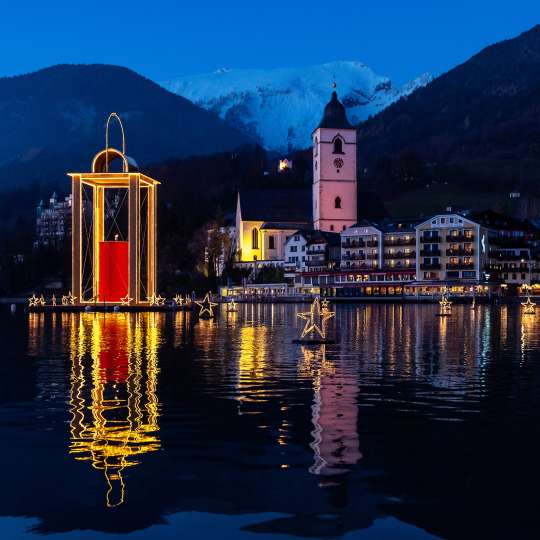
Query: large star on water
316, 319
206, 306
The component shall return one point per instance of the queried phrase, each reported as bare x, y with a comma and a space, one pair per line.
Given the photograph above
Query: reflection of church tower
334, 170
335, 441
113, 401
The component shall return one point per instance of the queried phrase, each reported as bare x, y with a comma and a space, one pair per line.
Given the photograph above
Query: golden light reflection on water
113, 400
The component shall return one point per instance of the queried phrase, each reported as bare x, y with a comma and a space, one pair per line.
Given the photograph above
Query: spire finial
334, 85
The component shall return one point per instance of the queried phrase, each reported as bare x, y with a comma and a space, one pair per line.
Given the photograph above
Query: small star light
156, 300
446, 305
126, 300
206, 307
529, 307
231, 306
68, 299
53, 300
316, 319
178, 300
33, 300
41, 301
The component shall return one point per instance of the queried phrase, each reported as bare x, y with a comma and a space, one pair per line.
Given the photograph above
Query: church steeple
334, 169
334, 116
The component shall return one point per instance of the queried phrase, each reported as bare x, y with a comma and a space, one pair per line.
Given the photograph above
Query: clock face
338, 163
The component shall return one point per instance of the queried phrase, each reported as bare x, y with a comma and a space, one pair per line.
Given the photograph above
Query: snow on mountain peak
281, 107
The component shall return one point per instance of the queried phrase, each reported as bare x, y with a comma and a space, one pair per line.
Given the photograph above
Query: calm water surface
144, 426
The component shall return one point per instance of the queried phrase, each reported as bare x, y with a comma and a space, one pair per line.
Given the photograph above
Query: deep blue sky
164, 38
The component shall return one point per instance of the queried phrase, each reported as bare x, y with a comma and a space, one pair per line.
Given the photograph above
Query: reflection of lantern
112, 260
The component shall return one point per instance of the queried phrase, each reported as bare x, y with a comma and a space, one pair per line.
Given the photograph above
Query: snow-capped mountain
281, 107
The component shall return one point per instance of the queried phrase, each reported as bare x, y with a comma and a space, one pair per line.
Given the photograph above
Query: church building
265, 219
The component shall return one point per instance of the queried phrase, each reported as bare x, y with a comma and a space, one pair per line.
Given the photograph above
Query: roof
334, 115
325, 237
278, 206
496, 220
285, 225
398, 225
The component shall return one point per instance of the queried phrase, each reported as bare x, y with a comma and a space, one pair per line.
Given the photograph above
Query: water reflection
331, 438
113, 397
335, 441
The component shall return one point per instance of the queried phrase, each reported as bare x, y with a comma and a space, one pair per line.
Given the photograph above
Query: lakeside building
316, 237
53, 221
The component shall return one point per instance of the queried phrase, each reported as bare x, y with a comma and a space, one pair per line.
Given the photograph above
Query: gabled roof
278, 206
334, 115
325, 237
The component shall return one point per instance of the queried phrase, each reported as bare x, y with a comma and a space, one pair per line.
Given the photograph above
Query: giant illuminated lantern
114, 233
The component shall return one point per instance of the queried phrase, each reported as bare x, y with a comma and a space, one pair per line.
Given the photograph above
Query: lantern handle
117, 118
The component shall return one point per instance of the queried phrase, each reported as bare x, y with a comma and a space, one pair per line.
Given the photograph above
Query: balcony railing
316, 263
354, 257
400, 242
460, 266
372, 256
430, 239
430, 252
460, 252
430, 266
459, 238
372, 243
400, 255
400, 266
353, 244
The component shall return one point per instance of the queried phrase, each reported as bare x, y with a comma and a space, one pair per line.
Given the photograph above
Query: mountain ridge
53, 120
280, 107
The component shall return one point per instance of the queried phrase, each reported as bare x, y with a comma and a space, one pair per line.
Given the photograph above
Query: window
294, 249
338, 146
337, 202
255, 238
271, 242
344, 227
331, 227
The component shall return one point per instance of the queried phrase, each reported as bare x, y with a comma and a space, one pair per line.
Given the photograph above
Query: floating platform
100, 308
314, 341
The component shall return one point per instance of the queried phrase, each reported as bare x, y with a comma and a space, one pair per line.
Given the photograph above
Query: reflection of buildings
335, 441
113, 401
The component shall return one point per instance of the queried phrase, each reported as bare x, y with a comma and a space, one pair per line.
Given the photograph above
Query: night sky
163, 39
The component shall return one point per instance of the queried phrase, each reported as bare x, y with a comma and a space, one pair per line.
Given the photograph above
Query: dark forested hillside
53, 122
477, 125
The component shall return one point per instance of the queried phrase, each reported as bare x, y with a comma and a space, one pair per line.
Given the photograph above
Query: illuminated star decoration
53, 300
126, 300
41, 301
156, 300
529, 307
316, 319
178, 300
231, 306
68, 299
206, 307
33, 300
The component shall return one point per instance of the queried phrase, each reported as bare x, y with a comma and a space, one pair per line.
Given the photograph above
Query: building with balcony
323, 251
451, 247
361, 247
53, 221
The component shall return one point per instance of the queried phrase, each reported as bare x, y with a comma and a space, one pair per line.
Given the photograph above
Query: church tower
334, 170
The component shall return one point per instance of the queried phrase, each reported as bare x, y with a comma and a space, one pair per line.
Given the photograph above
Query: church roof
334, 115
277, 205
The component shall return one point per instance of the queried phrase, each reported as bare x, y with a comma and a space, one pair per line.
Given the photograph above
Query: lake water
140, 426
